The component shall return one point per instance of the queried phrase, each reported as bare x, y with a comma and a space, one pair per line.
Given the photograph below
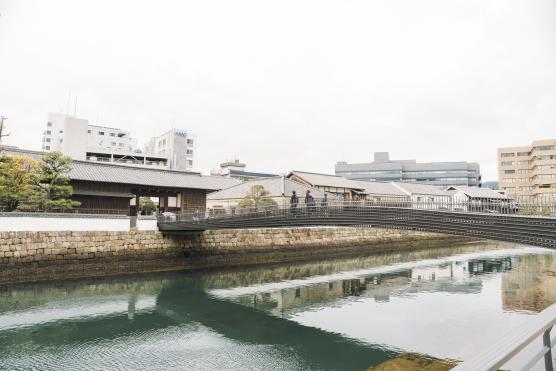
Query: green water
341, 314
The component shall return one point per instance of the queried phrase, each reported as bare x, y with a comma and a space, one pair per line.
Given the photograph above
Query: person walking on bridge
293, 202
309, 202
324, 204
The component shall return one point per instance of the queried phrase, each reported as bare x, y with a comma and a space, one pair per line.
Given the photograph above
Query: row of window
119, 135
531, 188
528, 162
539, 148
515, 180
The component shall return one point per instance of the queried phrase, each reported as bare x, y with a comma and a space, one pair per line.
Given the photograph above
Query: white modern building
80, 140
177, 145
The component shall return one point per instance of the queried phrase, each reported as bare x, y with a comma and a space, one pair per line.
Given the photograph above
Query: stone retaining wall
28, 256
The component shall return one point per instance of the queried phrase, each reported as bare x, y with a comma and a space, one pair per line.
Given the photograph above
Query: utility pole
2, 135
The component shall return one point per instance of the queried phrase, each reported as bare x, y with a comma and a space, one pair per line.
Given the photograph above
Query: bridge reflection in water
334, 314
485, 220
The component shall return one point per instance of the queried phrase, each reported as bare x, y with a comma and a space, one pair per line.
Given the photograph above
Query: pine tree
53, 184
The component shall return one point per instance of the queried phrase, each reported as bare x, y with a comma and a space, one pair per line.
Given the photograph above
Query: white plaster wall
34, 224
146, 225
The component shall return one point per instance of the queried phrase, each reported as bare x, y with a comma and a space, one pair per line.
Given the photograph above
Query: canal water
341, 314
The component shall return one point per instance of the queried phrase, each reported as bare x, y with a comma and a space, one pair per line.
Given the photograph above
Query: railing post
548, 355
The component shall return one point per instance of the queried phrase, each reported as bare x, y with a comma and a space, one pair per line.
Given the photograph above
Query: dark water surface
341, 314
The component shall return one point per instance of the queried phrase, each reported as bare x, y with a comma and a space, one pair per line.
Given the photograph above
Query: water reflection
333, 314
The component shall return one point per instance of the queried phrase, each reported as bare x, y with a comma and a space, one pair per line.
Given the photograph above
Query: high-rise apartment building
529, 172
444, 174
178, 145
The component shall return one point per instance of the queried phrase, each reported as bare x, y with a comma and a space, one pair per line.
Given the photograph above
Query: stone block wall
28, 256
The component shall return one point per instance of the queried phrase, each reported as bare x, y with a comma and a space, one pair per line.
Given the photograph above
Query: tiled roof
111, 173
476, 192
422, 189
325, 180
276, 186
380, 188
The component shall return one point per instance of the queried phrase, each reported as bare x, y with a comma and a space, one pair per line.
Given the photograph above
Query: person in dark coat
293, 202
309, 201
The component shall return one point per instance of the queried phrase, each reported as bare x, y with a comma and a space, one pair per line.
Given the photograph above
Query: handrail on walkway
538, 209
496, 356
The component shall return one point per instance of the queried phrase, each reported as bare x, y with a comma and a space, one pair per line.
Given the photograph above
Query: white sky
289, 84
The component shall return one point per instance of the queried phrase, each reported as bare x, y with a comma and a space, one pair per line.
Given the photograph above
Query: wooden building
115, 189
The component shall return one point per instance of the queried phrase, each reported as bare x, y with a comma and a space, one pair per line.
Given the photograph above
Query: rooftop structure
433, 173
236, 169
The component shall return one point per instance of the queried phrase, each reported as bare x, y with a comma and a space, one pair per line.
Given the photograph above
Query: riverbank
38, 256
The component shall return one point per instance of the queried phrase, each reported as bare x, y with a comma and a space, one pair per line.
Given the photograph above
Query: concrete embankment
35, 256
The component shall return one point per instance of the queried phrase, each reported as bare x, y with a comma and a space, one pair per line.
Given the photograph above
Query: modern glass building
383, 169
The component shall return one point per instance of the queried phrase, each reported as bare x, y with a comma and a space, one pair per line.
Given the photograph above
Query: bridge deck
532, 230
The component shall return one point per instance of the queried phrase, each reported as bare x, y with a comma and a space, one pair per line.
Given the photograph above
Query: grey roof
476, 192
326, 180
112, 173
251, 173
422, 189
380, 188
276, 186
109, 173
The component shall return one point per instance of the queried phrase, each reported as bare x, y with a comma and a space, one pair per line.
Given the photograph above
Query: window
101, 133
507, 154
545, 148
189, 151
61, 132
112, 134
47, 148
61, 140
509, 171
113, 144
524, 171
523, 154
48, 132
164, 141
507, 163
190, 162
89, 131
419, 198
190, 141
48, 140
49, 124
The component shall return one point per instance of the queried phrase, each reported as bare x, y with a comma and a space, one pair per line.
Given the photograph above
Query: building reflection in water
532, 284
529, 283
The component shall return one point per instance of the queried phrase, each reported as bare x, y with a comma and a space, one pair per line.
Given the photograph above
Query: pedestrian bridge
503, 222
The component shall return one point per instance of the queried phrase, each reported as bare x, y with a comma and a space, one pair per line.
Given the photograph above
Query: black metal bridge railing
503, 222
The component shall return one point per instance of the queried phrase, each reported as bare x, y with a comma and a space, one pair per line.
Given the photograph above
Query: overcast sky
288, 85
